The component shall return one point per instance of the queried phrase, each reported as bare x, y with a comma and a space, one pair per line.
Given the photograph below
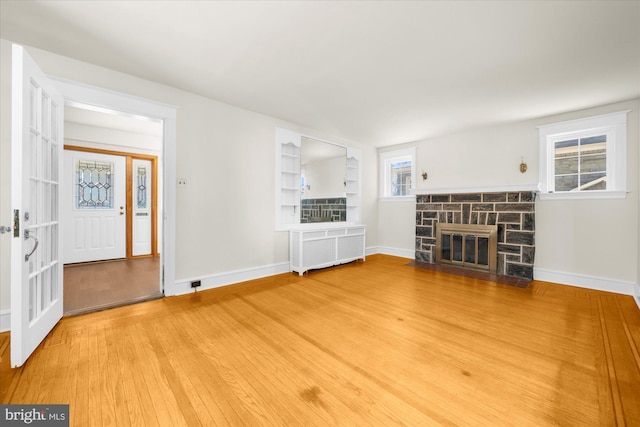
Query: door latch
16, 223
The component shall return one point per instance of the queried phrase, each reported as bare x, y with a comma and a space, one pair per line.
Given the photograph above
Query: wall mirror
323, 170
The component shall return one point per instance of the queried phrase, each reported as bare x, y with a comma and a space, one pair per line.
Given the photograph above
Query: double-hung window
397, 172
584, 158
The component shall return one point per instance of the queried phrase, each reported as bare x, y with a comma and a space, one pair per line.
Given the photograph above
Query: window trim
614, 125
384, 184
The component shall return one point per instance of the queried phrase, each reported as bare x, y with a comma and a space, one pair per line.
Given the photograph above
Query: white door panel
36, 148
94, 203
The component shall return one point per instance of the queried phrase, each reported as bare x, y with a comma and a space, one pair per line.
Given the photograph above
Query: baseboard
589, 282
5, 320
403, 253
183, 286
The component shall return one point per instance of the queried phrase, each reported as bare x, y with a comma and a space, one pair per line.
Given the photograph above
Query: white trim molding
101, 99
487, 189
5, 320
183, 286
399, 252
588, 282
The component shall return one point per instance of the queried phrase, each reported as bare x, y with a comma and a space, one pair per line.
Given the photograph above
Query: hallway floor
99, 285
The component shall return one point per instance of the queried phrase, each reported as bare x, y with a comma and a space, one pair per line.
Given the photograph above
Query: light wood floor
98, 285
373, 343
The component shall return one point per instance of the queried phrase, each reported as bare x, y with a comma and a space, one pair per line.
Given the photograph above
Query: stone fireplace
511, 213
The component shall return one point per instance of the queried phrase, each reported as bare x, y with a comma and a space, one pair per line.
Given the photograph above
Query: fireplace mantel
488, 189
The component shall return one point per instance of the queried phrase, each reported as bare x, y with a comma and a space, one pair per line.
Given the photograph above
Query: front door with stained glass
94, 206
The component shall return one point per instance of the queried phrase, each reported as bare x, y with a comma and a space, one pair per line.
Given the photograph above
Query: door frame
129, 195
99, 99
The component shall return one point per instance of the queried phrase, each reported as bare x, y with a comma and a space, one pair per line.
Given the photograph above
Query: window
94, 185
397, 172
584, 158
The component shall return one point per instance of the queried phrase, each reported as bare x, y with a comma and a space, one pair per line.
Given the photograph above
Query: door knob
121, 210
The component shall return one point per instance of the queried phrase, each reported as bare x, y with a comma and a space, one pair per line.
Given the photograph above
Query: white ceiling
376, 72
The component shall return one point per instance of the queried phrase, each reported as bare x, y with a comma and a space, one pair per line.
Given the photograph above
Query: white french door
94, 206
36, 155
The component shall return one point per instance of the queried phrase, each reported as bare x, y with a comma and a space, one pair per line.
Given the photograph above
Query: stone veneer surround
512, 212
323, 210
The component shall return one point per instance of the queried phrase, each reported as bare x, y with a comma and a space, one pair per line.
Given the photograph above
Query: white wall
225, 215
572, 237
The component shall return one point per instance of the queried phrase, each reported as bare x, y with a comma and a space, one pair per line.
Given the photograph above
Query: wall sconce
523, 165
424, 175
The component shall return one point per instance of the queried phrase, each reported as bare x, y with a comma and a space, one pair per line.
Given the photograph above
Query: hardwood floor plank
373, 343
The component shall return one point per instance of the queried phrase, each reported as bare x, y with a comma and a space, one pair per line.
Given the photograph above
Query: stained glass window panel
94, 185
142, 188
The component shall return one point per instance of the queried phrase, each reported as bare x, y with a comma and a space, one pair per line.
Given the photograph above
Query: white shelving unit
288, 178
325, 246
353, 185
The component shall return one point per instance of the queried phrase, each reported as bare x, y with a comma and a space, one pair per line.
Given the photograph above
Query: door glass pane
46, 162
54, 282
33, 106
33, 160
45, 201
142, 188
44, 289
94, 185
45, 128
29, 244
446, 246
457, 247
54, 122
45, 244
54, 202
483, 251
54, 162
470, 249
31, 208
54, 242
32, 297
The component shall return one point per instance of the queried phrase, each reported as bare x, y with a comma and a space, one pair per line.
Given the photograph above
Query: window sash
578, 184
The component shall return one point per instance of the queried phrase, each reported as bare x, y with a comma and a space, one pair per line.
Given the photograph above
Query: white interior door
142, 188
93, 207
36, 271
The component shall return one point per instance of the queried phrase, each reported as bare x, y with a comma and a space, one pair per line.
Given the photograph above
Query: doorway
110, 209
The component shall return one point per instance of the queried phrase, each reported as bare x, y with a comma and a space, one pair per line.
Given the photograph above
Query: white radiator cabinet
325, 246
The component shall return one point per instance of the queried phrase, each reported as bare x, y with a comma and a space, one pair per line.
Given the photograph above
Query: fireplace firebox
467, 245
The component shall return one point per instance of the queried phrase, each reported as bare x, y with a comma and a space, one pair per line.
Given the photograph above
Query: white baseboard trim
183, 286
403, 253
588, 282
5, 320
